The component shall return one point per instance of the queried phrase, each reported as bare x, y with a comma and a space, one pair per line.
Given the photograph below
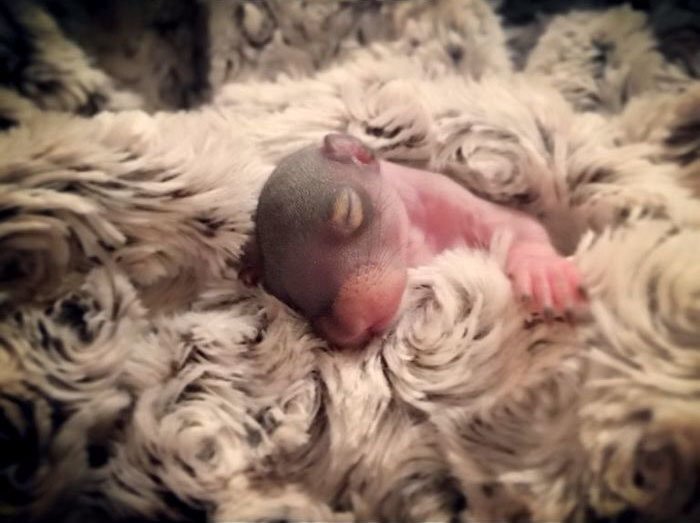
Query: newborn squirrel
337, 229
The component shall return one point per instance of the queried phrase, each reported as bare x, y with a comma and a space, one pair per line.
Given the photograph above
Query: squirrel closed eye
346, 213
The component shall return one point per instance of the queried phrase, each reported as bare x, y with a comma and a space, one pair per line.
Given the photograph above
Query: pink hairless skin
337, 229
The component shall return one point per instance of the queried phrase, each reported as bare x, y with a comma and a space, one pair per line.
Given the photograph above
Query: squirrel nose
366, 305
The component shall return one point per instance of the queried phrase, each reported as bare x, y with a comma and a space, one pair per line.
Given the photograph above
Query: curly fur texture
50, 71
139, 379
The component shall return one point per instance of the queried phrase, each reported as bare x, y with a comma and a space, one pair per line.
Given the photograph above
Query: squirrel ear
347, 149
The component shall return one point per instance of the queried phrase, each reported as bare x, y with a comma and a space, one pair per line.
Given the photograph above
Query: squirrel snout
366, 305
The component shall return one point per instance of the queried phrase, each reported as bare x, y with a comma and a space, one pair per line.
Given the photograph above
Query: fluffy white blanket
140, 379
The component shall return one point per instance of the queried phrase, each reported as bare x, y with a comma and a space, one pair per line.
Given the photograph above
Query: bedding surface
140, 380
